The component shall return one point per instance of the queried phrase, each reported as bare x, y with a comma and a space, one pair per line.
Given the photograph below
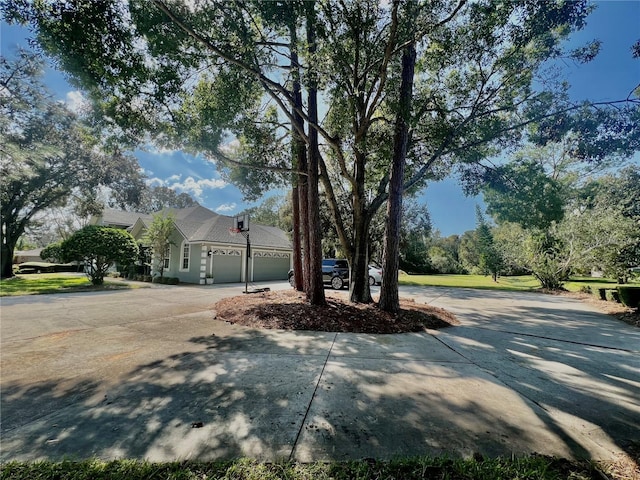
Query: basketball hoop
241, 223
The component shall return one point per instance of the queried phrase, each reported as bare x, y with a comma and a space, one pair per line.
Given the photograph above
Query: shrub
156, 280
174, 280
629, 296
164, 280
586, 289
147, 278
99, 247
602, 292
52, 253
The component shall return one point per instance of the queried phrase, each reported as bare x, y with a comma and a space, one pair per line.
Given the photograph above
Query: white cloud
226, 207
155, 150
155, 182
76, 102
196, 187
190, 185
231, 146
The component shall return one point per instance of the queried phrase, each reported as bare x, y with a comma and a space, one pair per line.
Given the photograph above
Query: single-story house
22, 256
202, 246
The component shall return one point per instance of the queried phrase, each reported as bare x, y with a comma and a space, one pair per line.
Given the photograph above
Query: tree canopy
198, 75
48, 154
156, 198
158, 237
559, 215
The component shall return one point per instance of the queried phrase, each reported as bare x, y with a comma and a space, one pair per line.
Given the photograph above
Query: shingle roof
122, 218
199, 224
216, 230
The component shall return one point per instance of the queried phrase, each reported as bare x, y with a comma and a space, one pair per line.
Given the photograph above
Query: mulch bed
289, 310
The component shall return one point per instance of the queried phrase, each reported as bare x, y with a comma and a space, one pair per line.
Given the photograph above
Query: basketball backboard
241, 222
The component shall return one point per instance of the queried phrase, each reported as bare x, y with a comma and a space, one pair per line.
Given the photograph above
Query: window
166, 261
186, 250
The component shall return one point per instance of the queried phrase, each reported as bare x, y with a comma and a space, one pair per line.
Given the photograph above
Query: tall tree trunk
303, 189
315, 292
299, 162
6, 257
10, 232
359, 291
297, 241
389, 299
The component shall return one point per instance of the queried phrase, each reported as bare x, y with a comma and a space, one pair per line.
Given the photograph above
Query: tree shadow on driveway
581, 367
316, 396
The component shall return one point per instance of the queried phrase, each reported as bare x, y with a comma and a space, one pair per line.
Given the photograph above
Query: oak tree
47, 154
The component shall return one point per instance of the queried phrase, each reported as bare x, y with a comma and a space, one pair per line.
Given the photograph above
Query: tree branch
218, 155
275, 89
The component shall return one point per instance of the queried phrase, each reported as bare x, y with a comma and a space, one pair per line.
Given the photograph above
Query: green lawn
534, 467
520, 283
34, 284
472, 281
577, 284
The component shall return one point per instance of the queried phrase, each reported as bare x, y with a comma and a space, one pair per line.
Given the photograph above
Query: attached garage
227, 265
270, 265
207, 249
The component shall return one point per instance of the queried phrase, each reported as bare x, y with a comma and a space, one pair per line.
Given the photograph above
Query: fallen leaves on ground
625, 466
289, 310
618, 310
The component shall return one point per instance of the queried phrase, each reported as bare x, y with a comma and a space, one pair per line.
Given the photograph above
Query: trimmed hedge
629, 296
166, 280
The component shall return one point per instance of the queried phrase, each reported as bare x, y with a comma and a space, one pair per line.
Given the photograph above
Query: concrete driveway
150, 374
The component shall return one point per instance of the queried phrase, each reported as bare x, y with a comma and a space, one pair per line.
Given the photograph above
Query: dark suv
335, 272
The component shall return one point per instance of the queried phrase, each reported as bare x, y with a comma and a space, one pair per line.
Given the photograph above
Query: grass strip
517, 468
515, 283
38, 284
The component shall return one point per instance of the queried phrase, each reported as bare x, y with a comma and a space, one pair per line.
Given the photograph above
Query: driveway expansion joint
543, 337
313, 395
438, 361
454, 351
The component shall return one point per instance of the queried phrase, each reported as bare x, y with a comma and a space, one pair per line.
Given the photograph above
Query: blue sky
611, 76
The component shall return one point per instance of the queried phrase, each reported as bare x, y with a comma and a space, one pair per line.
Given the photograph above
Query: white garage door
270, 266
227, 265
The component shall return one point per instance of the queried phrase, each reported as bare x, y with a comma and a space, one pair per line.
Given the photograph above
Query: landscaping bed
628, 315
288, 310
